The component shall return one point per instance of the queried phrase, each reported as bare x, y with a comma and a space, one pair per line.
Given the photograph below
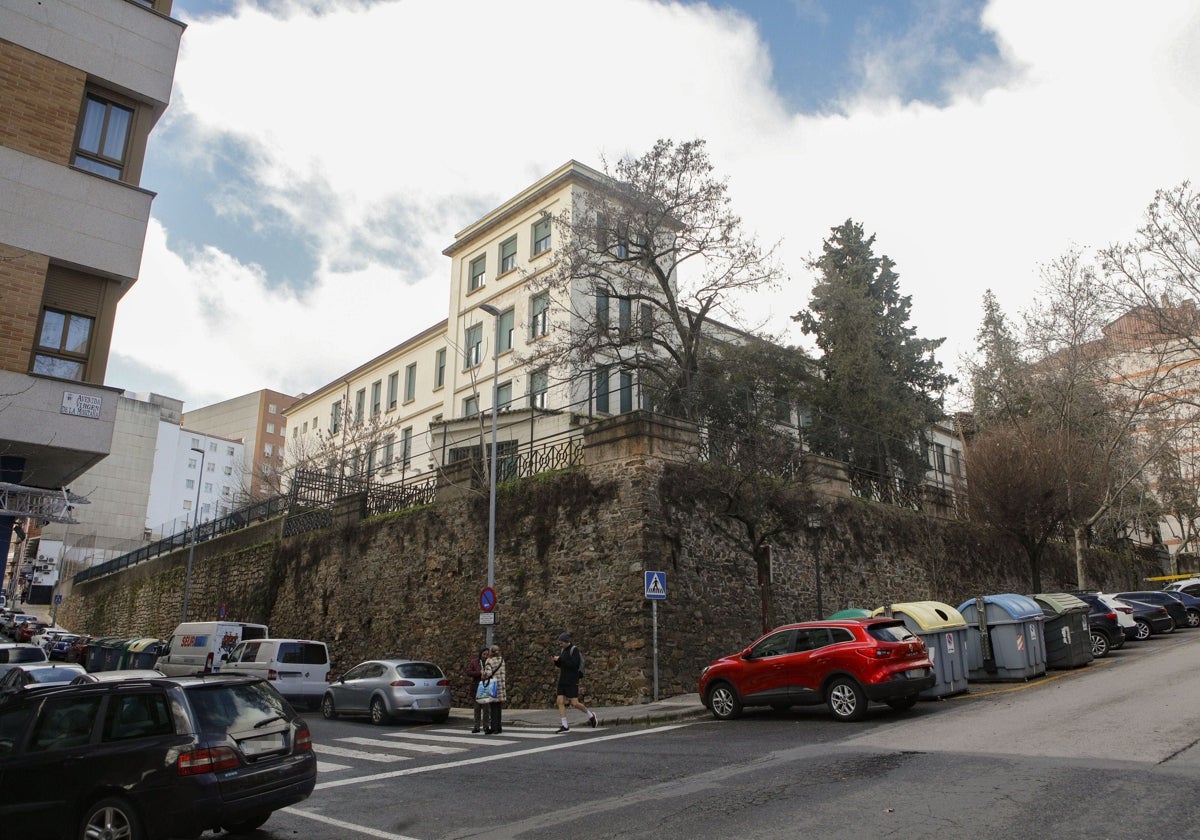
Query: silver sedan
386, 688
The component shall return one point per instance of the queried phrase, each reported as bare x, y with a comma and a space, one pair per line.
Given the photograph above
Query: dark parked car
844, 664
1190, 603
1106, 631
1151, 619
1175, 607
144, 759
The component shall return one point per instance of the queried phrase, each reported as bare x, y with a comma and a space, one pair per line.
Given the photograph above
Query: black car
1190, 603
1151, 619
1106, 630
144, 759
1175, 607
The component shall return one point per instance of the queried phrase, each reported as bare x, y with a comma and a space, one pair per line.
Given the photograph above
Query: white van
199, 647
298, 668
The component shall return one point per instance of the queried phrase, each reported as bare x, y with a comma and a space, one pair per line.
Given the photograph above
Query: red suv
845, 664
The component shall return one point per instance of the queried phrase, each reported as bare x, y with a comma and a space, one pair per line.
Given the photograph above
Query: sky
318, 155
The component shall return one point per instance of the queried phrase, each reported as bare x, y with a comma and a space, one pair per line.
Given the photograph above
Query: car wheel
1144, 631
1193, 618
846, 700
441, 717
724, 702
1099, 645
327, 710
903, 704
111, 817
247, 826
379, 712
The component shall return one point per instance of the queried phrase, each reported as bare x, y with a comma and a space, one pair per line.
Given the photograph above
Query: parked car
200, 647
298, 668
844, 664
1191, 586
1124, 614
1104, 625
28, 630
36, 674
77, 652
1175, 607
15, 620
1151, 619
151, 758
60, 646
13, 654
386, 688
1190, 603
47, 636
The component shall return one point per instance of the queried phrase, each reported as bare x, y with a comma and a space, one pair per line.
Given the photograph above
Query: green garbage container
851, 613
1014, 637
944, 632
114, 653
1068, 634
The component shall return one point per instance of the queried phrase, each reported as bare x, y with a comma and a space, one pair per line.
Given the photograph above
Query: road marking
330, 767
511, 732
342, 752
393, 745
562, 744
476, 741
361, 829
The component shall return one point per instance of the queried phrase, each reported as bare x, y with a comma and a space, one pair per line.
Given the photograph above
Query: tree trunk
1080, 536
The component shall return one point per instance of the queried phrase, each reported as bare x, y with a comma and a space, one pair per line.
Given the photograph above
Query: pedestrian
569, 663
493, 669
475, 673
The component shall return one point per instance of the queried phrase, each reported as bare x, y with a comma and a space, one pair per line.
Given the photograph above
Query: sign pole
654, 616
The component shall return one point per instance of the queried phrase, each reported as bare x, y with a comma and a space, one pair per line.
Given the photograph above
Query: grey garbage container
1014, 636
1068, 635
944, 632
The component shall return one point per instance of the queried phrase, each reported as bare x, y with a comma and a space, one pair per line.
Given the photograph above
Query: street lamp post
815, 523
495, 313
187, 581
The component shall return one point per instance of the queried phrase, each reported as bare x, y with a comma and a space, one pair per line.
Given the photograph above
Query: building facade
257, 420
82, 83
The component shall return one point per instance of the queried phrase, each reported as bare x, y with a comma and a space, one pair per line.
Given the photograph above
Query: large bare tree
647, 259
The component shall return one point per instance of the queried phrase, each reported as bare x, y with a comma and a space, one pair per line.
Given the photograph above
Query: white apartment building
197, 477
423, 402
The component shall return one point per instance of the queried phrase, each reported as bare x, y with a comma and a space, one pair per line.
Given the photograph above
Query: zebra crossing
391, 748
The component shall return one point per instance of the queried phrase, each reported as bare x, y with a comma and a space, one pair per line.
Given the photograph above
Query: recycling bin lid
853, 612
1057, 603
928, 615
139, 645
1017, 606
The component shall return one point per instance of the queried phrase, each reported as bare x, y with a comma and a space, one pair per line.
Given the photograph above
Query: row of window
539, 240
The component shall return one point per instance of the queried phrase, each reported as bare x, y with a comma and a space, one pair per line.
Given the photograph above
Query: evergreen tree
880, 386
997, 373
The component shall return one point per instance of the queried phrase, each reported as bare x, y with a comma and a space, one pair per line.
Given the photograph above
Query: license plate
915, 673
265, 744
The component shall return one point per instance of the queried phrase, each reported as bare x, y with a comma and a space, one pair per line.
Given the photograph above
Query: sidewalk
668, 710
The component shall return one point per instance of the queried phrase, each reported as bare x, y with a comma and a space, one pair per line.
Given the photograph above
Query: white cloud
404, 121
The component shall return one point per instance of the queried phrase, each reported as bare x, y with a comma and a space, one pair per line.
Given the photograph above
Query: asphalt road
1110, 750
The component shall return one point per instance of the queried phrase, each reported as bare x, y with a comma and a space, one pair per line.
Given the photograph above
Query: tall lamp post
187, 581
495, 313
815, 523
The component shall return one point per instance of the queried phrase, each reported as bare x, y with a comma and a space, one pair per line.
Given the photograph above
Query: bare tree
648, 257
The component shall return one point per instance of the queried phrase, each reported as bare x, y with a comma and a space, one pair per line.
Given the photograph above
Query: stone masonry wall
571, 551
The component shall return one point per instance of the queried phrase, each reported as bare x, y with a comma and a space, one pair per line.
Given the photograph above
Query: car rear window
303, 653
234, 706
891, 632
22, 654
419, 671
41, 675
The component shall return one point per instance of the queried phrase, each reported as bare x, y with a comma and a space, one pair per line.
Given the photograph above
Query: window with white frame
470, 406
504, 395
541, 235
539, 384
508, 254
376, 397
270, 428
212, 446
389, 446
473, 351
393, 389
360, 405
268, 450
229, 451
190, 484
272, 408
439, 379
477, 273
602, 389
192, 463
229, 471
406, 445
539, 315
210, 467
208, 488
505, 328
335, 416
195, 443
410, 382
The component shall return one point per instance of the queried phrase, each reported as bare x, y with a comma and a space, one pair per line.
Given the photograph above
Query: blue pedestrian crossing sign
656, 586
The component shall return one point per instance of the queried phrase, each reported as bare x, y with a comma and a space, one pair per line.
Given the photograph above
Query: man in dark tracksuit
570, 665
